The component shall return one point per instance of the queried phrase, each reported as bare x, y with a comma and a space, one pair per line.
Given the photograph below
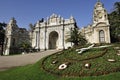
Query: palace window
101, 36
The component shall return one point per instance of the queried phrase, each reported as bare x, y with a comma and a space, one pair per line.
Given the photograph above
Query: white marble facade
13, 37
53, 32
98, 31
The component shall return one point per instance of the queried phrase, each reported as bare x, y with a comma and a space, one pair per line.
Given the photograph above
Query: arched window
101, 36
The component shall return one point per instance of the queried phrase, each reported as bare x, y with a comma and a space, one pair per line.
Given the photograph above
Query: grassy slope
35, 72
98, 64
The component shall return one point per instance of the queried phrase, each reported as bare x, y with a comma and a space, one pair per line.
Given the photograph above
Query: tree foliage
117, 7
114, 19
76, 37
2, 35
2, 32
25, 45
31, 26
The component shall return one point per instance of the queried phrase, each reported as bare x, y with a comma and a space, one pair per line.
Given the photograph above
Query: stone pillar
7, 47
45, 37
63, 36
70, 36
107, 35
47, 40
39, 39
109, 39
36, 42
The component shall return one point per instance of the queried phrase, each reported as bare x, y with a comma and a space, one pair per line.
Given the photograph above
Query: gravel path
7, 62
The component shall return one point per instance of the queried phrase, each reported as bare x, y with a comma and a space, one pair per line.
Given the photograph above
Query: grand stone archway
53, 38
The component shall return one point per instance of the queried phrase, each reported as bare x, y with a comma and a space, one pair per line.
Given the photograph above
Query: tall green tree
31, 26
2, 32
2, 35
76, 37
117, 7
114, 19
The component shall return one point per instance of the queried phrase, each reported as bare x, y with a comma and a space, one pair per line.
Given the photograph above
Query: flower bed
96, 58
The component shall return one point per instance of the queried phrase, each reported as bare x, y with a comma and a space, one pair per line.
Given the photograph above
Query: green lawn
98, 58
36, 72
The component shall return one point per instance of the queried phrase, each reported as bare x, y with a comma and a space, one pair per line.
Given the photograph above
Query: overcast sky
30, 11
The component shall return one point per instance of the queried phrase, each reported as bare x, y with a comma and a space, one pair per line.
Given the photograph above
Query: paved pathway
7, 62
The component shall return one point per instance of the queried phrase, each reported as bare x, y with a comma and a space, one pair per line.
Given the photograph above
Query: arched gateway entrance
53, 38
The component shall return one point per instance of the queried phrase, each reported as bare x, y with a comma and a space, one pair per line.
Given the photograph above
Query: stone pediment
54, 19
101, 24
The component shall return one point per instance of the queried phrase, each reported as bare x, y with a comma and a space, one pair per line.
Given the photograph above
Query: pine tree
76, 37
114, 19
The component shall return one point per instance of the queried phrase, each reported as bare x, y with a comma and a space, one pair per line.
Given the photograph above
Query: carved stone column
63, 35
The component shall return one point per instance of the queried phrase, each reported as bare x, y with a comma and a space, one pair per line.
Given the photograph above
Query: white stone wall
13, 37
56, 24
100, 22
40, 35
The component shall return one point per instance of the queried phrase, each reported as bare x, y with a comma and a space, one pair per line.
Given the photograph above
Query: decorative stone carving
61, 26
100, 22
14, 36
